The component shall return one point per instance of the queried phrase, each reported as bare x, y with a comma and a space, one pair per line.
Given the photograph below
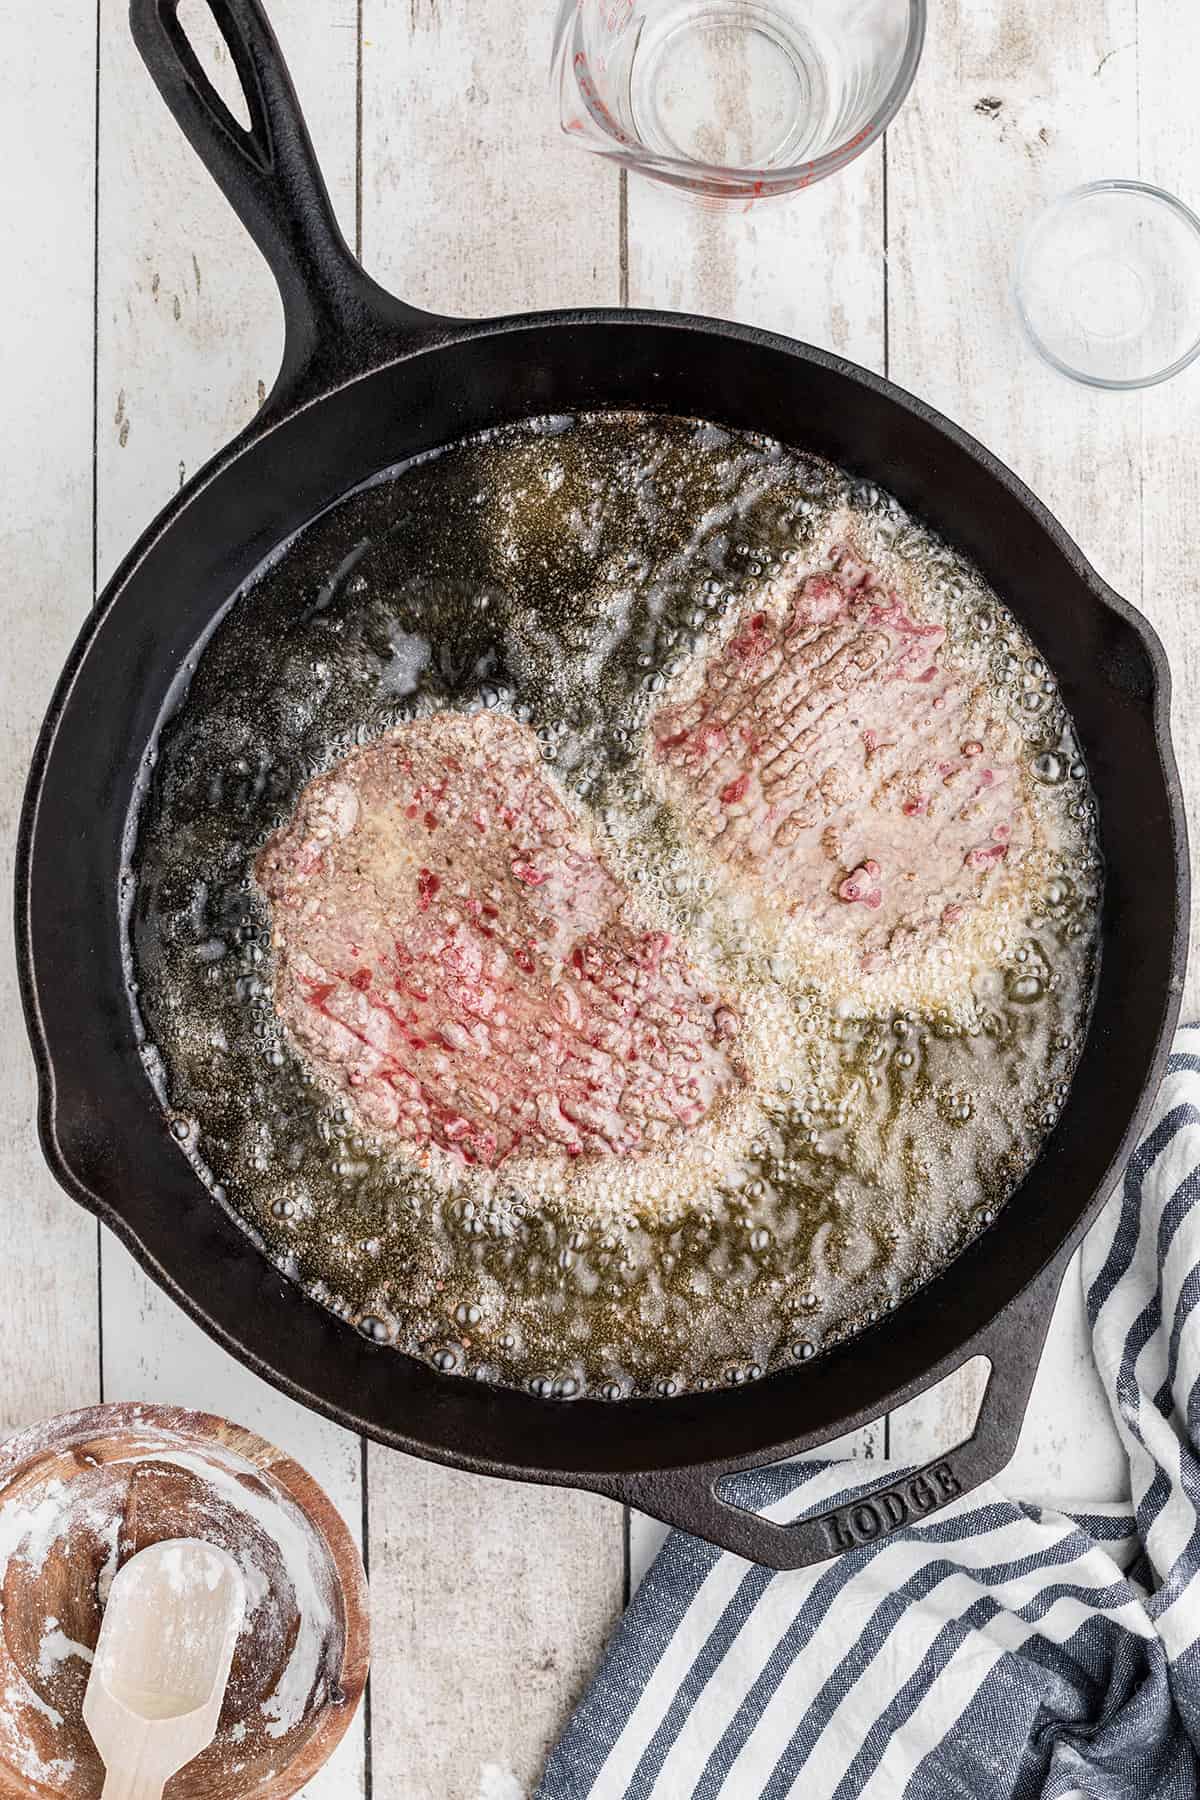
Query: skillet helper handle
689, 1499
338, 322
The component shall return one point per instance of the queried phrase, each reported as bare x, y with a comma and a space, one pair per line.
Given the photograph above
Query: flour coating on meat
452, 952
850, 778
833, 758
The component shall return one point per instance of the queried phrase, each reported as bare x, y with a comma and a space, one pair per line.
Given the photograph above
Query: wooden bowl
81, 1494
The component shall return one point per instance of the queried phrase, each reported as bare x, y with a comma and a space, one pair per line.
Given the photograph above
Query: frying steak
453, 955
826, 753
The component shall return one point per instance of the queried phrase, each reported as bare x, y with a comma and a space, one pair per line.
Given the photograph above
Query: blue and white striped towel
1001, 1649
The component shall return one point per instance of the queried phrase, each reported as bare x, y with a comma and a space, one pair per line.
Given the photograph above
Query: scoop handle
128, 1782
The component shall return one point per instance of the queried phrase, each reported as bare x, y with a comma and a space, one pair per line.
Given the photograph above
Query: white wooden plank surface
472, 204
811, 265
491, 1603
48, 1354
472, 200
1169, 126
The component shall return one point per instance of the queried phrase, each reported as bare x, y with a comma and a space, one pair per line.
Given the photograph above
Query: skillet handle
689, 1498
338, 322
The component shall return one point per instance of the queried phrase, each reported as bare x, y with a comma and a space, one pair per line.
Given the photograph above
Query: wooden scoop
162, 1663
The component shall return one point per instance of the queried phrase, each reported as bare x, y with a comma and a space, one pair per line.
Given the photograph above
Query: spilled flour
57, 1646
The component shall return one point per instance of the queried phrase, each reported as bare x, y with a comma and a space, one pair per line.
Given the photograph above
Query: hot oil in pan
565, 572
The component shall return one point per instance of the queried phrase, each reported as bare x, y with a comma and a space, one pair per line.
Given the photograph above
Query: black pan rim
431, 342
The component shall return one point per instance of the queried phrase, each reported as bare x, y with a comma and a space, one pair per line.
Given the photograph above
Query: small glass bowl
1107, 285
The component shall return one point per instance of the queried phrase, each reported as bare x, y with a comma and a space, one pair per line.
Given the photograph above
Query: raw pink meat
452, 953
831, 756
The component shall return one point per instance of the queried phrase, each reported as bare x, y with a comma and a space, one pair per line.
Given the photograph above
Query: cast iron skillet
365, 383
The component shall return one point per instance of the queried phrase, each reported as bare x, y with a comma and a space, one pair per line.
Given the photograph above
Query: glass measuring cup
734, 99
